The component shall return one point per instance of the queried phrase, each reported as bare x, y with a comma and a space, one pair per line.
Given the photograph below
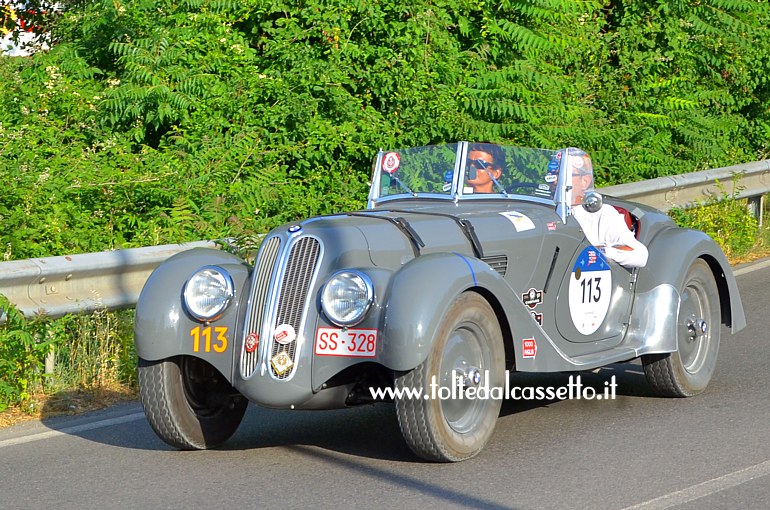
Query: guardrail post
50, 361
756, 205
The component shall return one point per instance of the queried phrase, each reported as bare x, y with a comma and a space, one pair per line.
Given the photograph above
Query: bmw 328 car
470, 262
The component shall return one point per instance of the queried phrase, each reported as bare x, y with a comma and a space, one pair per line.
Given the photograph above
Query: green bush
725, 218
90, 352
22, 356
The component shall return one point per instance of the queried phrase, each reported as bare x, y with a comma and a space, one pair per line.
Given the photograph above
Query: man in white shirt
605, 229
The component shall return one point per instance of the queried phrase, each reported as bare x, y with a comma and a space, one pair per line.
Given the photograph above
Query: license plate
357, 343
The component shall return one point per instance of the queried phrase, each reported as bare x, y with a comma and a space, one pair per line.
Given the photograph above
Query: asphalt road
637, 451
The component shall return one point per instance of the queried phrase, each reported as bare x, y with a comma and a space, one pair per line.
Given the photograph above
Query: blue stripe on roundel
590, 289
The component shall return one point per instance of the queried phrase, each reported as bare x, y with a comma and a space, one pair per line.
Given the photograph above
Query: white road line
72, 430
706, 488
751, 267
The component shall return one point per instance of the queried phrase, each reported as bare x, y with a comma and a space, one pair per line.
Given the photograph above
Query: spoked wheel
188, 403
468, 353
687, 371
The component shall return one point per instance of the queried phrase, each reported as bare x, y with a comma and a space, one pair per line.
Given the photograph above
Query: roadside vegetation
161, 122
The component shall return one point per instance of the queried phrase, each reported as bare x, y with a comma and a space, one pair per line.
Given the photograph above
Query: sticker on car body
251, 343
532, 298
281, 362
390, 162
208, 338
521, 222
529, 348
284, 334
357, 343
589, 290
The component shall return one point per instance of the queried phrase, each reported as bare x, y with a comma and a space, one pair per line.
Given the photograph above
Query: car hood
392, 237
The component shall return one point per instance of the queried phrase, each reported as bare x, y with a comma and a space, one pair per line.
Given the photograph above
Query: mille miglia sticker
528, 348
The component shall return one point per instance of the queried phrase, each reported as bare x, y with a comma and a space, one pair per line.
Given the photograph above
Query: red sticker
390, 162
252, 342
551, 225
528, 348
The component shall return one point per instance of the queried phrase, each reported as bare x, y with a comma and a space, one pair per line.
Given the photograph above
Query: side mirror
592, 201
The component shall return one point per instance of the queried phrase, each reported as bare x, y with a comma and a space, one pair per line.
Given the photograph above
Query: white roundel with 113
590, 289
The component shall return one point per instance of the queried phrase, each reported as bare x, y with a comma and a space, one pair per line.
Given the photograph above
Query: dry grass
70, 402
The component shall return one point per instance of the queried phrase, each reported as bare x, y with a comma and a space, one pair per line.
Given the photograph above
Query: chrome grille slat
259, 293
297, 278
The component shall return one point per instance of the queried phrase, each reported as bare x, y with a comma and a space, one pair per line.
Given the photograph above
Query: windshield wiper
401, 183
466, 227
499, 186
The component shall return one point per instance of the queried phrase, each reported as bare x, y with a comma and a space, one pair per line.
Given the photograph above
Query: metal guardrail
664, 193
56, 286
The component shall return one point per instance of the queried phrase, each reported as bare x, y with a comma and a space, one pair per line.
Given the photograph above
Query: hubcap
464, 363
694, 331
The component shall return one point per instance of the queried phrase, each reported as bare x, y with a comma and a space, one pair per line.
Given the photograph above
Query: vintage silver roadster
460, 270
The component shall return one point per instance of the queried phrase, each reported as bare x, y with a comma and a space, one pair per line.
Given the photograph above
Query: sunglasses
480, 163
474, 164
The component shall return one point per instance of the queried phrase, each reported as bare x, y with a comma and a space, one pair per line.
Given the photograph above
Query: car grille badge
282, 363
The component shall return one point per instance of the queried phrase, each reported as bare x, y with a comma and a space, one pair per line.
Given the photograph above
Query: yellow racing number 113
217, 341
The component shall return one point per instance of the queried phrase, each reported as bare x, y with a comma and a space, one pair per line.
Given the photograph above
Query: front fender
420, 294
162, 326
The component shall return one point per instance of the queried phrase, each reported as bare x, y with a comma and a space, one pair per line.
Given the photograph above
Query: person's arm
622, 246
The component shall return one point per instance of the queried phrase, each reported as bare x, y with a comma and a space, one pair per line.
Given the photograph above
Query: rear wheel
468, 353
188, 403
687, 371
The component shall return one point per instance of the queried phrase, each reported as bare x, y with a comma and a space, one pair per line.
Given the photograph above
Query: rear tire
469, 342
188, 403
687, 371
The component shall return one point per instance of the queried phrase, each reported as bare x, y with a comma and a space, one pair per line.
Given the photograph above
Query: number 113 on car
359, 343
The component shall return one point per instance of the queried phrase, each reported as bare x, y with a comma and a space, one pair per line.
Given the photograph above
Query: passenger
606, 229
486, 163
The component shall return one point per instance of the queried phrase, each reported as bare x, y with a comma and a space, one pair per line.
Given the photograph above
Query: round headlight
208, 292
347, 297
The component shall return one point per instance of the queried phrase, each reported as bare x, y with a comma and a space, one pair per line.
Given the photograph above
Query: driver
486, 162
606, 229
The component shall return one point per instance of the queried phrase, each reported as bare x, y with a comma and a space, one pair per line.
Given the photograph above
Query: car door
595, 297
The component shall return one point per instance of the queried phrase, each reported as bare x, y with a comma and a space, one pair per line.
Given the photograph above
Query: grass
94, 367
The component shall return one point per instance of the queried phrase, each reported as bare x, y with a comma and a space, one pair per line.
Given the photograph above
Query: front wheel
468, 354
188, 403
687, 371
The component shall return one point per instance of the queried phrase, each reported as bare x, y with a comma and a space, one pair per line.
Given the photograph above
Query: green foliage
89, 352
21, 356
725, 218
95, 351
170, 121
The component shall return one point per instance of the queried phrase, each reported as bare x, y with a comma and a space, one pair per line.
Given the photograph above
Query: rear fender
654, 314
162, 326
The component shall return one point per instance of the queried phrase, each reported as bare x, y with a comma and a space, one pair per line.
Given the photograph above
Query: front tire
469, 343
188, 403
687, 371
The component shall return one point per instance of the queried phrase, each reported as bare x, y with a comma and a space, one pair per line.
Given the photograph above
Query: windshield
424, 170
466, 170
